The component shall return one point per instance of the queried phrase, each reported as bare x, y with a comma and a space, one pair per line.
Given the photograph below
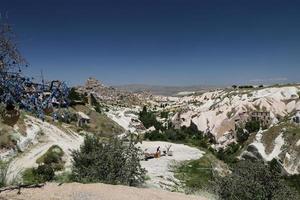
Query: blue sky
167, 42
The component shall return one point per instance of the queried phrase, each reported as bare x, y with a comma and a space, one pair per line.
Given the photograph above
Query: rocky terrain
216, 113
109, 95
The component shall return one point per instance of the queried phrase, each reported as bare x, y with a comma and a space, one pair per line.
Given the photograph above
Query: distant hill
163, 90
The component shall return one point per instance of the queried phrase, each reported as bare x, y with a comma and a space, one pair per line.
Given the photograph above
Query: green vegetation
3, 173
50, 162
253, 181
164, 114
294, 182
111, 162
196, 174
148, 119
53, 158
246, 87
100, 124
229, 154
41, 174
252, 126
74, 97
187, 135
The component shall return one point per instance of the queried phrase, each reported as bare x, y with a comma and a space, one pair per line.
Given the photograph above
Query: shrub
155, 136
228, 155
111, 162
252, 126
41, 174
294, 181
253, 181
53, 158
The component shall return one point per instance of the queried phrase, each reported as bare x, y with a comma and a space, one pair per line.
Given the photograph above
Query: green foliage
189, 135
164, 114
111, 162
229, 154
252, 126
53, 158
242, 136
75, 96
41, 174
253, 181
294, 182
148, 119
3, 173
155, 136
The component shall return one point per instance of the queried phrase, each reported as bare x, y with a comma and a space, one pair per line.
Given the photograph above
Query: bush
294, 181
155, 136
53, 158
253, 181
111, 162
41, 174
228, 155
252, 126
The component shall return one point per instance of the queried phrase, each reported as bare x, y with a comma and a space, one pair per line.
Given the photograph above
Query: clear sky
160, 42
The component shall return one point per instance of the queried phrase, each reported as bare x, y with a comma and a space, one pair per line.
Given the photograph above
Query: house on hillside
83, 119
263, 117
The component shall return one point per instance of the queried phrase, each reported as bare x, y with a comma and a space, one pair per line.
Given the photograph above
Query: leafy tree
148, 119
75, 96
252, 126
112, 162
242, 135
253, 181
164, 114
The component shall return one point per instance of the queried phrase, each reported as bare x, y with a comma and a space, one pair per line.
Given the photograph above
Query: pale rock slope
40, 137
216, 111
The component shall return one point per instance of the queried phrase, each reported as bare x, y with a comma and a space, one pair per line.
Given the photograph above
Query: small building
83, 119
263, 117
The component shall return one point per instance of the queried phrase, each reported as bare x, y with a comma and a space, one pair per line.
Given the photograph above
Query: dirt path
75, 191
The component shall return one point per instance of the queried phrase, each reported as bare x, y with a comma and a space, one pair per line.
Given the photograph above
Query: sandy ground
159, 169
75, 191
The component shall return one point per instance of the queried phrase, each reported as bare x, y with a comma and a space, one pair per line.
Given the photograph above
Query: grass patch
197, 175
100, 124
